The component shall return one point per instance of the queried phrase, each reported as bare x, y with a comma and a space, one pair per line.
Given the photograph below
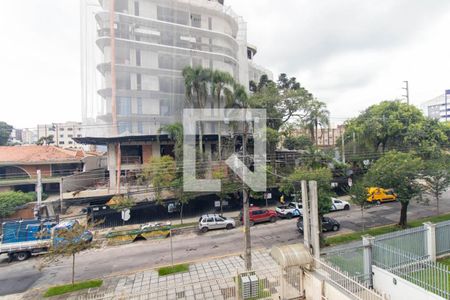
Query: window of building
196, 20
165, 61
210, 23
139, 82
138, 57
124, 106
136, 8
124, 127
61, 129
61, 143
61, 135
164, 108
139, 106
70, 129
79, 135
171, 15
70, 142
140, 128
70, 135
121, 6
123, 81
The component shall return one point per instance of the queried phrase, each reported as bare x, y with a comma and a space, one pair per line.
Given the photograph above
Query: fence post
431, 240
367, 256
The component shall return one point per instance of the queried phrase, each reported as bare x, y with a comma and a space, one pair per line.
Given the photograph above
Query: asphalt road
16, 277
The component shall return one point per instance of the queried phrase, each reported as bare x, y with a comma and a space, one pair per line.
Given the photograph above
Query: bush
9, 201
173, 269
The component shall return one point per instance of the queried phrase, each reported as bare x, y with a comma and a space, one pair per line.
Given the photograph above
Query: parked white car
338, 204
214, 221
293, 209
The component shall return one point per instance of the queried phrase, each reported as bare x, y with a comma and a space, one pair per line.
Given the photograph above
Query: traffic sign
126, 214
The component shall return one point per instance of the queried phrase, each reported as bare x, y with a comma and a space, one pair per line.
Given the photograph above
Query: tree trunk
73, 268
403, 214
247, 238
362, 218
437, 204
181, 213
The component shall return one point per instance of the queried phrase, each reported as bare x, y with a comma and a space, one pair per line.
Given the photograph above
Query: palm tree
196, 82
175, 133
316, 115
220, 82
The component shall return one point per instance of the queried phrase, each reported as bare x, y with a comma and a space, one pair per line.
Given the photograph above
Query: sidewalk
209, 279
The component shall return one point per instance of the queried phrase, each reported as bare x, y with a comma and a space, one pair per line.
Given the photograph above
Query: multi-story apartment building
63, 133
143, 46
438, 107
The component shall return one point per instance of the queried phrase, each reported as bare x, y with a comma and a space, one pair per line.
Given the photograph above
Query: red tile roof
38, 154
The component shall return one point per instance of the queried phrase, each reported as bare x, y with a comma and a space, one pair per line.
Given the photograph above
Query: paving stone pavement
205, 280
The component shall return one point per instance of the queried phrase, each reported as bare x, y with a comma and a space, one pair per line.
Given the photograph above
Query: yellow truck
379, 195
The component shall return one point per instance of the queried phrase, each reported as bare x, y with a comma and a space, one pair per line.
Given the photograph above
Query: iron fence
413, 241
442, 238
349, 260
350, 284
432, 276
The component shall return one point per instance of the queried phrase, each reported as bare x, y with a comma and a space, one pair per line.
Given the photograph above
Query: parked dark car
328, 224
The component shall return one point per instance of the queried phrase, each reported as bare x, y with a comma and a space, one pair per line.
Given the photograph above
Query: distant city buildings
438, 107
63, 133
326, 137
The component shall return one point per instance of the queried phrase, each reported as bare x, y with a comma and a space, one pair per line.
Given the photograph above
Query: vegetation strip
68, 288
354, 236
173, 269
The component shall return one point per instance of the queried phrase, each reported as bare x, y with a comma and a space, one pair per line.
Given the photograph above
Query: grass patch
192, 224
355, 236
68, 288
173, 269
445, 261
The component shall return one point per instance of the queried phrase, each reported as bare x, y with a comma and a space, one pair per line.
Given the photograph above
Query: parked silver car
214, 221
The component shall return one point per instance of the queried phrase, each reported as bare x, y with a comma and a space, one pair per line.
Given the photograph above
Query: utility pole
406, 88
246, 205
343, 146
61, 194
38, 194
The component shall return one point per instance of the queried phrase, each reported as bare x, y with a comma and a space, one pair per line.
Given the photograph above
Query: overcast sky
348, 53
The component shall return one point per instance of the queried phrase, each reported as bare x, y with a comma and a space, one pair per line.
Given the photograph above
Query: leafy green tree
401, 172
284, 100
175, 132
10, 201
300, 142
323, 177
68, 243
394, 125
160, 172
46, 140
358, 196
5, 132
437, 178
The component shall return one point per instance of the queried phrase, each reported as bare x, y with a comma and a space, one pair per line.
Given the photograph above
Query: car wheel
204, 229
378, 202
229, 226
273, 219
335, 228
346, 207
251, 223
288, 216
21, 256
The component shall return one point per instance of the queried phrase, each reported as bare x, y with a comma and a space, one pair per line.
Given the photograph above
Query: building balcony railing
131, 160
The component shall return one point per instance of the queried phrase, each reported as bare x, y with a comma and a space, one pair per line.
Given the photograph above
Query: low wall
83, 180
318, 288
395, 287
